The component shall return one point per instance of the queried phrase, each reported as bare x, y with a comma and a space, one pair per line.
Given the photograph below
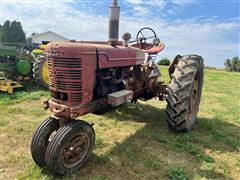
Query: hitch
46, 105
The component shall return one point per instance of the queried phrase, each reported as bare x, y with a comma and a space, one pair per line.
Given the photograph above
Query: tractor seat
155, 50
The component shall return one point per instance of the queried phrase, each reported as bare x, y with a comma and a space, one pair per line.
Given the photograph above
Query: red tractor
93, 77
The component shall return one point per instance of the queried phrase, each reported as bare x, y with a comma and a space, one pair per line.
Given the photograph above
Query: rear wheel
41, 139
70, 148
40, 71
185, 91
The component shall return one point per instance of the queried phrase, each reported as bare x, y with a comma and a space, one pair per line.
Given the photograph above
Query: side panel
88, 77
119, 56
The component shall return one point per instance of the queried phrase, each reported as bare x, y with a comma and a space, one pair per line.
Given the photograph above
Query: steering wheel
146, 36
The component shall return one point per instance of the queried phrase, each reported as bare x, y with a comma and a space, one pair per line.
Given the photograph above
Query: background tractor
40, 66
18, 63
94, 77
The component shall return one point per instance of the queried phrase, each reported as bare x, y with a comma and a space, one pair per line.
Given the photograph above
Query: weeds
152, 163
99, 141
99, 177
101, 159
125, 150
176, 173
4, 121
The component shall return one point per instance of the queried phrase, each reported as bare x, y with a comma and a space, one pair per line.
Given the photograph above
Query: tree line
232, 64
12, 33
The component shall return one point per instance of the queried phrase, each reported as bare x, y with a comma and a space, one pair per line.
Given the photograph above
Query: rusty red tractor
93, 77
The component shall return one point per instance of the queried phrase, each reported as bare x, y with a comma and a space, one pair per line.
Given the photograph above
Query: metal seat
155, 50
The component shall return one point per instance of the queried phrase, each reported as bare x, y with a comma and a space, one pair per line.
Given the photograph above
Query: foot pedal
119, 97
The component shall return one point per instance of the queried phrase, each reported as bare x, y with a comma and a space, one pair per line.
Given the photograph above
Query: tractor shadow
156, 152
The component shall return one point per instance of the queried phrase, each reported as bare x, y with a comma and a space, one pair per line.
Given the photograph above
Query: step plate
119, 97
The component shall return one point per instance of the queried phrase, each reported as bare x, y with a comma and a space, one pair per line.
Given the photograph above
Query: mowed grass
133, 141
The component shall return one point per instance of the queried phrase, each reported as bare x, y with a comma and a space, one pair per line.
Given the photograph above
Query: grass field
133, 142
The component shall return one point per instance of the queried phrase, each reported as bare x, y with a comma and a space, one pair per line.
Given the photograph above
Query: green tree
19, 33
1, 32
13, 32
29, 39
6, 32
232, 64
164, 61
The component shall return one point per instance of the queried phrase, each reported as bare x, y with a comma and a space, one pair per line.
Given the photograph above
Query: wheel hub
45, 72
194, 95
78, 150
75, 151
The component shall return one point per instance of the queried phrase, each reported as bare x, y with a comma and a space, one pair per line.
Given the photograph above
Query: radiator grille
65, 78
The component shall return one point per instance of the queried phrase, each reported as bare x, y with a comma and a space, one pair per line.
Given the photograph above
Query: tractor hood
69, 49
108, 56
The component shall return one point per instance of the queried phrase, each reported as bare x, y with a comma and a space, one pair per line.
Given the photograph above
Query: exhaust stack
113, 28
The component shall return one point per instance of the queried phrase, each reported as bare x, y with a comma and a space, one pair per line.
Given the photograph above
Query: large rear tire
41, 139
40, 71
185, 91
70, 148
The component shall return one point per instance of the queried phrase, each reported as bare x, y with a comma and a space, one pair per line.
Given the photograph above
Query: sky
210, 28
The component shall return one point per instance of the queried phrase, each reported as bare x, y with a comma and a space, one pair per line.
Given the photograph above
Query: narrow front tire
41, 139
70, 148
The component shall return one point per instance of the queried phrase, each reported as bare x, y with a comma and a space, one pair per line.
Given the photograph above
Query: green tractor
19, 63
40, 66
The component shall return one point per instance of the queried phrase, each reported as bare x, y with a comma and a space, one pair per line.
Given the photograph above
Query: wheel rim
45, 72
194, 96
75, 150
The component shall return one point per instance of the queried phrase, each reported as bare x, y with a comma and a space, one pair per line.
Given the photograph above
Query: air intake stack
114, 13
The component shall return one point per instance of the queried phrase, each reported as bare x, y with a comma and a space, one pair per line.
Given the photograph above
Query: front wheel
70, 148
41, 139
184, 93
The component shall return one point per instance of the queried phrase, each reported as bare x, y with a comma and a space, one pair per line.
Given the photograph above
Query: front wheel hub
70, 148
75, 150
